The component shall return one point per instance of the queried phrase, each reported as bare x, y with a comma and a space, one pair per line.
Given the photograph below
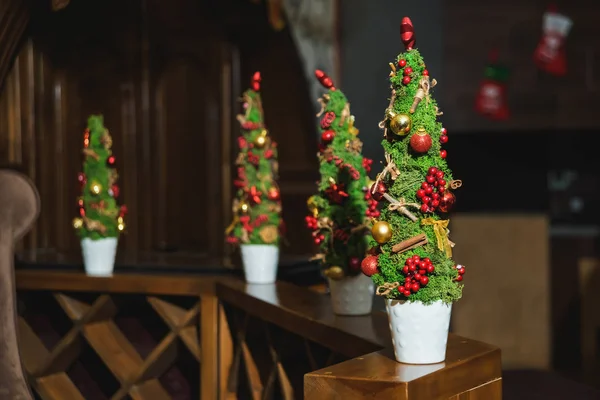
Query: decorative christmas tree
257, 206
99, 215
411, 257
341, 211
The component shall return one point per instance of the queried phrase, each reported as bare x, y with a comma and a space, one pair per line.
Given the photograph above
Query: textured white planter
419, 332
352, 295
99, 256
260, 262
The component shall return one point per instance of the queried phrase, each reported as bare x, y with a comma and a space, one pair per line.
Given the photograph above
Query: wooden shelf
472, 370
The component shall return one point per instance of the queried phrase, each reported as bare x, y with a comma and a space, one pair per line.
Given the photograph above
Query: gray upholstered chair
19, 208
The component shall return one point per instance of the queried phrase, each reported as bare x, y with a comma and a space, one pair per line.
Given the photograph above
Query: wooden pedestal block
472, 371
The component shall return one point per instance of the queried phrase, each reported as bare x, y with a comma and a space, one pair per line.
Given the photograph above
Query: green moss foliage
101, 210
414, 168
342, 163
256, 178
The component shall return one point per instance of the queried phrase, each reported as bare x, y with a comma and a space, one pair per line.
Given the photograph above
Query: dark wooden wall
538, 101
166, 76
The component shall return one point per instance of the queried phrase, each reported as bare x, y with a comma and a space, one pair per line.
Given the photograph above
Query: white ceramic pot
352, 295
99, 256
419, 332
260, 262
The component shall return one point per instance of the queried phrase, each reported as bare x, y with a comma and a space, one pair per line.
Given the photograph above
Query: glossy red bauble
402, 63
408, 71
273, 194
369, 265
354, 263
421, 142
406, 80
444, 139
447, 201
443, 153
328, 135
377, 190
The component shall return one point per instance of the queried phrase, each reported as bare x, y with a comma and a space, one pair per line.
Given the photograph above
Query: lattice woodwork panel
269, 362
167, 330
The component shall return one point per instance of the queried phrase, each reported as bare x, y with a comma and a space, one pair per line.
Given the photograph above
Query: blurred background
167, 77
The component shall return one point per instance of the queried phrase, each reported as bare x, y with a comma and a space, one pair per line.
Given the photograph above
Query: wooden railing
128, 336
150, 336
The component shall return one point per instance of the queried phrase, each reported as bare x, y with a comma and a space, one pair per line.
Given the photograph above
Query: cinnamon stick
411, 243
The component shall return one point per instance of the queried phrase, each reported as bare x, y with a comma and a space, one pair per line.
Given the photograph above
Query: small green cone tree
411, 253
99, 214
341, 210
257, 205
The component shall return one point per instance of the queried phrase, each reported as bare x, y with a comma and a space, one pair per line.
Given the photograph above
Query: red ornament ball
115, 190
377, 190
273, 194
82, 212
444, 139
111, 160
328, 135
408, 71
369, 265
444, 131
406, 80
354, 263
432, 171
447, 201
425, 72
402, 63
421, 142
443, 153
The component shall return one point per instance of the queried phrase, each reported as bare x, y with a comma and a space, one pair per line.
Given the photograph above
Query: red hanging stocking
550, 56
491, 100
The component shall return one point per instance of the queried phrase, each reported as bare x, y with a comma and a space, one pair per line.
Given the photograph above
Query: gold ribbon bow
441, 234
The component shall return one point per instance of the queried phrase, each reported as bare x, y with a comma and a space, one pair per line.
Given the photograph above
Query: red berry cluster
250, 126
241, 180
253, 159
432, 190
372, 210
327, 119
443, 140
336, 193
461, 272
318, 237
367, 163
311, 222
415, 271
354, 174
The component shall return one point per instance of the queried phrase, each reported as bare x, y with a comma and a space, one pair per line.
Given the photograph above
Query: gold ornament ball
96, 188
244, 208
334, 273
382, 232
261, 140
400, 124
77, 223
